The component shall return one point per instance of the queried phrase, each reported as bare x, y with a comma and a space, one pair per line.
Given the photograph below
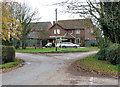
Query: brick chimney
53, 22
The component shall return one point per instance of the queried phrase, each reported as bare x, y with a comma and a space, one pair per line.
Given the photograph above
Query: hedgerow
110, 54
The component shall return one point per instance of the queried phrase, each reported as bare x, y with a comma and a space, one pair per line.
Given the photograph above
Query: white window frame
77, 32
58, 31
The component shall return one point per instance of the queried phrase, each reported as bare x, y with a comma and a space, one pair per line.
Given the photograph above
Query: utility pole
61, 43
56, 27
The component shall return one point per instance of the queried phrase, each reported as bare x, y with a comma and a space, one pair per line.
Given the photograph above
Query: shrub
94, 44
118, 55
8, 54
110, 54
101, 54
17, 45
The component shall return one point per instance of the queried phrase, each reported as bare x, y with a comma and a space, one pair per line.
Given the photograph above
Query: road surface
51, 69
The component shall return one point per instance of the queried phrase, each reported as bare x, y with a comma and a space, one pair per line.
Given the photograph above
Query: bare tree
25, 15
43, 34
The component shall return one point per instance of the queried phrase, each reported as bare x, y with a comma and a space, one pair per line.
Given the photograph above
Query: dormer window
58, 31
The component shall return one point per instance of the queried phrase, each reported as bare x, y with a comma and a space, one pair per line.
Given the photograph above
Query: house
75, 31
38, 34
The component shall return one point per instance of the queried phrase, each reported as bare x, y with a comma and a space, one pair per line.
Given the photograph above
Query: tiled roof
40, 25
37, 27
75, 23
33, 35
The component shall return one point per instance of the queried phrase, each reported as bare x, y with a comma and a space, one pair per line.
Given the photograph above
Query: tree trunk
24, 43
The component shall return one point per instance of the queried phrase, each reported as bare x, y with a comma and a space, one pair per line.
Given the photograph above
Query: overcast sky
47, 10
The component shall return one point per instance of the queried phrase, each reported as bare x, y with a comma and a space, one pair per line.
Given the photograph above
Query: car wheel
64, 47
75, 46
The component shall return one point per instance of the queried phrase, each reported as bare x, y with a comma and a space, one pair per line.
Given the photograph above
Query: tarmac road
51, 69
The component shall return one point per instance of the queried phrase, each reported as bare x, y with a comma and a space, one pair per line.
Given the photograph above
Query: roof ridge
75, 19
41, 22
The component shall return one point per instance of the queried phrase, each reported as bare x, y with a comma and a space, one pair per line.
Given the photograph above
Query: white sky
47, 10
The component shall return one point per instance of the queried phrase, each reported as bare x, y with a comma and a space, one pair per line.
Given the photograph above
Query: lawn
42, 50
101, 67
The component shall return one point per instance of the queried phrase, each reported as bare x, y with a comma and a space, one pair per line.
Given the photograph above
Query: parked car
48, 45
69, 44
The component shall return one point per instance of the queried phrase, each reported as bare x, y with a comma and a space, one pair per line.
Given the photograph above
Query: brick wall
88, 34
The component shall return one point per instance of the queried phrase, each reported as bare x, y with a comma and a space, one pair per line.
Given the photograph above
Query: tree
110, 21
25, 15
11, 27
104, 14
42, 33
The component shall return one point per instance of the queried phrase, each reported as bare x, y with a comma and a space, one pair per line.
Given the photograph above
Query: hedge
110, 54
8, 54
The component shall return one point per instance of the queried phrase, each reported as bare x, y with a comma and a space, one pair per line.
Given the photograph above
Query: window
71, 31
77, 31
58, 31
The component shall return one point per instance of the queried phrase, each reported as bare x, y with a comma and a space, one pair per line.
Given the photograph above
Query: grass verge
45, 50
11, 65
97, 66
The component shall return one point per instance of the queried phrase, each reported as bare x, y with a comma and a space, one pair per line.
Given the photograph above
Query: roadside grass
101, 67
42, 50
9, 65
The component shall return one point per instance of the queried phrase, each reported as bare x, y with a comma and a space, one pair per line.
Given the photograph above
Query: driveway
51, 69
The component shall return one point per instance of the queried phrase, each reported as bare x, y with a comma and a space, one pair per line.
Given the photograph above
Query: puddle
28, 63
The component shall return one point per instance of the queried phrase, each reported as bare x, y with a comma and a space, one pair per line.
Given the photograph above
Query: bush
101, 55
94, 45
110, 54
8, 54
17, 45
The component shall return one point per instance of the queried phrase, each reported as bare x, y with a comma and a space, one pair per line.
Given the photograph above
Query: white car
48, 45
69, 44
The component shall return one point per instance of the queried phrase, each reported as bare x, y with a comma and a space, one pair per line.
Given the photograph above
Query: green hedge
8, 54
110, 54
